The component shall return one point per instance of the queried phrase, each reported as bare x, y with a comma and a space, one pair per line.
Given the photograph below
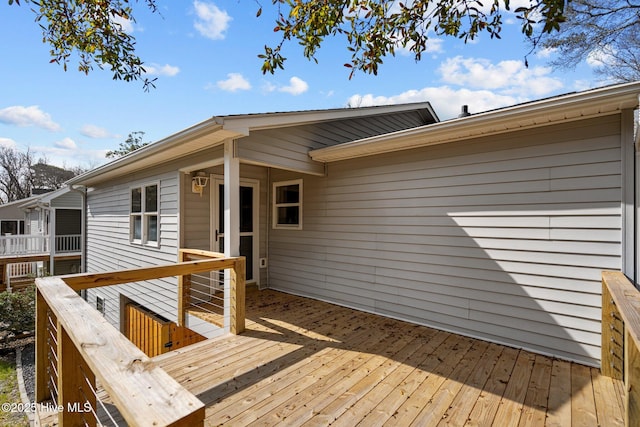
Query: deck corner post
42, 392
237, 296
76, 384
632, 382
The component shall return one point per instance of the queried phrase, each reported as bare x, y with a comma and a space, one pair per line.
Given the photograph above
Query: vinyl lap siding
108, 246
502, 239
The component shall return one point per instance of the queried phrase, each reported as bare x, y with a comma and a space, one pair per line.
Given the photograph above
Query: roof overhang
565, 108
218, 129
204, 135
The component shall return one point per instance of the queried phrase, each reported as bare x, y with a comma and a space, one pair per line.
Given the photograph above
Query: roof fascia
250, 122
153, 153
598, 102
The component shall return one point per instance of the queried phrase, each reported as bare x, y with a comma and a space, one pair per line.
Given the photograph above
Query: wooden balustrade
621, 339
79, 346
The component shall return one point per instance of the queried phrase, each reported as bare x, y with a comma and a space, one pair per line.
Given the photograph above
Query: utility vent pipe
465, 111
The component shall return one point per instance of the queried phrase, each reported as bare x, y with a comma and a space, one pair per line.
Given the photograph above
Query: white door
248, 222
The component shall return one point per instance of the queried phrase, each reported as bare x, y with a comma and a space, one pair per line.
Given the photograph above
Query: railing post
612, 337
632, 382
237, 296
42, 390
76, 384
184, 290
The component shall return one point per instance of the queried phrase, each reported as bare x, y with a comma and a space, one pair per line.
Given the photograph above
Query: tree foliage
132, 143
93, 31
605, 32
376, 28
17, 310
15, 174
21, 173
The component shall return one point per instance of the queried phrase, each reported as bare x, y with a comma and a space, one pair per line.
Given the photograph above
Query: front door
248, 223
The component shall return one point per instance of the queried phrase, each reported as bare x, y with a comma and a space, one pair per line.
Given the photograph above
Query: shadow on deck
302, 361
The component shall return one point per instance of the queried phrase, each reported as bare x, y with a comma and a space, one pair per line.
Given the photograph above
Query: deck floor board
306, 362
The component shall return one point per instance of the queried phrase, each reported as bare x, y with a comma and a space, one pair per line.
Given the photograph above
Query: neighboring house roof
560, 109
217, 129
44, 199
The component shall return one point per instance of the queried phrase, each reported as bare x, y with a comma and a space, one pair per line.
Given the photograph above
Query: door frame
216, 180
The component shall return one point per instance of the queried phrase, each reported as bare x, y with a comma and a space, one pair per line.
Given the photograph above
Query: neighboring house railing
621, 339
24, 244
20, 270
68, 243
77, 350
29, 244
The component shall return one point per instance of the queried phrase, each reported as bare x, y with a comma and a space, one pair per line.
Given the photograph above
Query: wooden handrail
84, 348
144, 394
621, 338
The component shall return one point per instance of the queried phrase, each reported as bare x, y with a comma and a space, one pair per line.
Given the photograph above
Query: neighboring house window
287, 204
144, 214
12, 227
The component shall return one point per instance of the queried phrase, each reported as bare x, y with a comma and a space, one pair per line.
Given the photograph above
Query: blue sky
204, 55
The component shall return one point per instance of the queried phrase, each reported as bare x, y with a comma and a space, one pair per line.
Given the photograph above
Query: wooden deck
305, 362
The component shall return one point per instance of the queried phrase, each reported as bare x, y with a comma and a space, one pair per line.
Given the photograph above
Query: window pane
246, 250
246, 209
152, 228
288, 194
136, 200
221, 208
151, 198
289, 215
136, 223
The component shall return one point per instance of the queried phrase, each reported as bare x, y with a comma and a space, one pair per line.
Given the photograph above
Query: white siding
501, 238
108, 246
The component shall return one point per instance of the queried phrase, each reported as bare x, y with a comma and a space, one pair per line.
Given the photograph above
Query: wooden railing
77, 349
621, 339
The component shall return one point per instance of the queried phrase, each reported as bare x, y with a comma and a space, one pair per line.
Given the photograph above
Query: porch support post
52, 241
231, 221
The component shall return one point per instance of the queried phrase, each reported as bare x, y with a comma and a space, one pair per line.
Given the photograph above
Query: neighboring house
41, 234
496, 225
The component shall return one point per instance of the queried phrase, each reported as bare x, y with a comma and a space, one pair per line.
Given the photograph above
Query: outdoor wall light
198, 182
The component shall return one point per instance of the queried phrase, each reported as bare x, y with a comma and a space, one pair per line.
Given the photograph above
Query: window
100, 304
287, 204
144, 215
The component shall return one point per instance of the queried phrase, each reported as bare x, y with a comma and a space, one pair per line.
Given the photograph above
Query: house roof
215, 130
43, 199
560, 109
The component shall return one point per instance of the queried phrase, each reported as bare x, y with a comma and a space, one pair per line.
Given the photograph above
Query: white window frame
276, 205
144, 215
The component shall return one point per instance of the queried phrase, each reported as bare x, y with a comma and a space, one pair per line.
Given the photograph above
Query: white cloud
445, 100
66, 144
546, 52
233, 83
296, 86
161, 70
211, 22
93, 131
509, 76
126, 24
28, 116
8, 143
478, 83
600, 57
